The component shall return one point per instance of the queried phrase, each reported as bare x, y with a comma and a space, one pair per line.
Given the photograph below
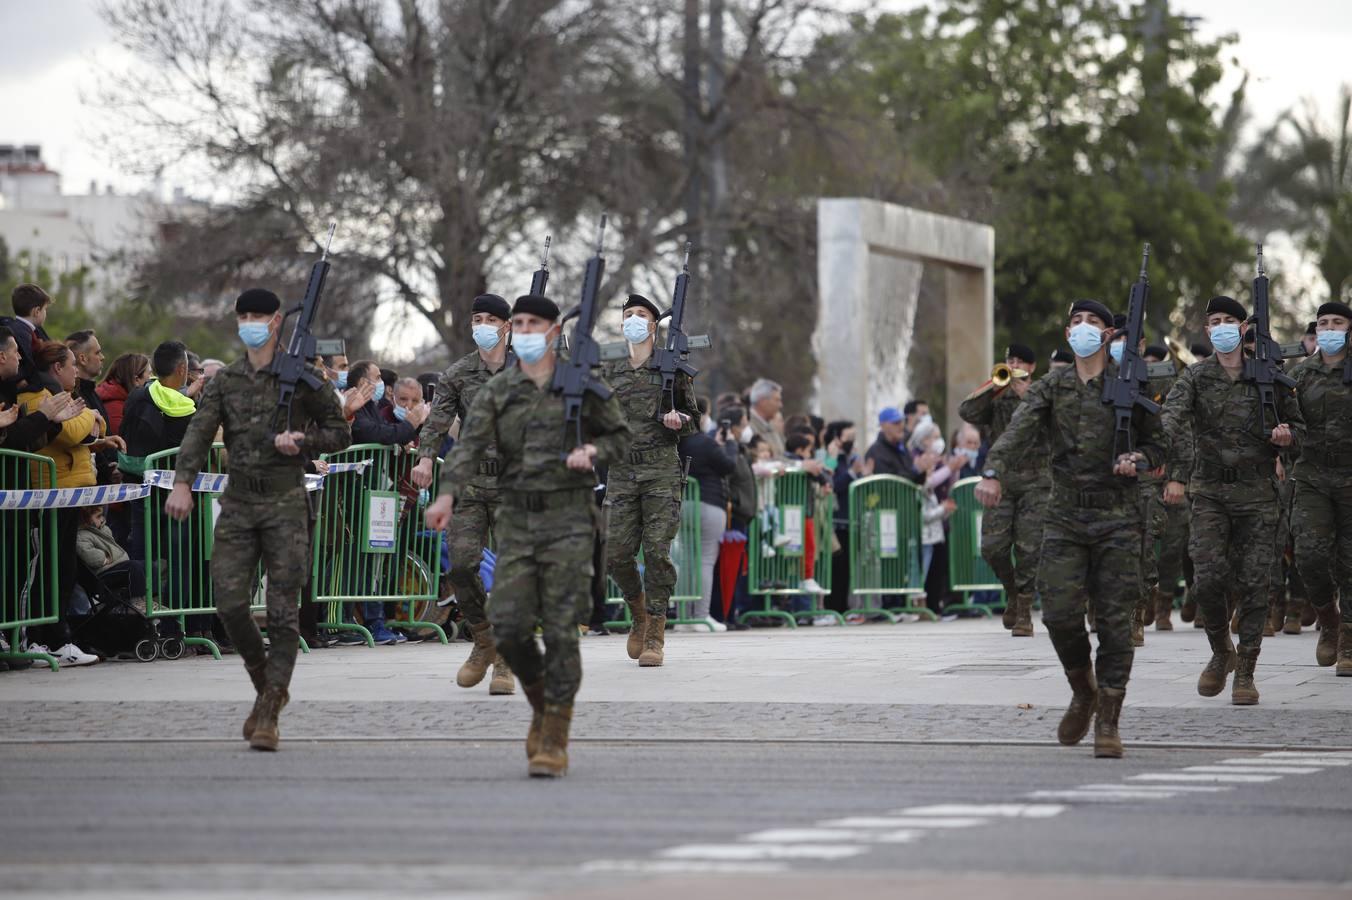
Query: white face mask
924, 420
938, 446
746, 435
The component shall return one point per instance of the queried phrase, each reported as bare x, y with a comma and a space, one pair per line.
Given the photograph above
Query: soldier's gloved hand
422, 473
1126, 464
988, 492
1281, 436
438, 515
673, 420
179, 503
581, 459
1174, 492
288, 442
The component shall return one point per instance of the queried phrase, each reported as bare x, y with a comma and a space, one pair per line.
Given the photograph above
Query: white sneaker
810, 586
824, 620
71, 655
685, 628
715, 626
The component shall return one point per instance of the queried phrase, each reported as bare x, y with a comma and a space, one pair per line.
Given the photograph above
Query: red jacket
113, 396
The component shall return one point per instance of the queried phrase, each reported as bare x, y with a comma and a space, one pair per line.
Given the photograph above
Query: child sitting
100, 552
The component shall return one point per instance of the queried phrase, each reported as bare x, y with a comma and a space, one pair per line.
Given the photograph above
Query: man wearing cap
264, 510
477, 499
888, 450
645, 487
1225, 458
1091, 541
1164, 523
1011, 533
1060, 359
546, 531
1322, 517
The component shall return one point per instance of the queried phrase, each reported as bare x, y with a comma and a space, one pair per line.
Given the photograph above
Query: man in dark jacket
89, 366
27, 432
888, 451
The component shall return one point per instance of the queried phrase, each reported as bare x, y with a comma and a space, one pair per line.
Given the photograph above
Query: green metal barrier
370, 543
685, 555
28, 583
967, 571
778, 546
885, 549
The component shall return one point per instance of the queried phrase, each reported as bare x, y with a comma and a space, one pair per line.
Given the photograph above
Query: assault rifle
1128, 390
672, 356
1263, 368
290, 366
541, 276
573, 378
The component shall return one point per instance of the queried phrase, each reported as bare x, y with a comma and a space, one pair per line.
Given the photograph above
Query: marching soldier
1011, 533
1322, 518
1225, 458
545, 535
1091, 542
1165, 525
645, 487
264, 510
477, 499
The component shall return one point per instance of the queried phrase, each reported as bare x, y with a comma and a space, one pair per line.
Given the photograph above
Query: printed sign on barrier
887, 534
791, 527
380, 521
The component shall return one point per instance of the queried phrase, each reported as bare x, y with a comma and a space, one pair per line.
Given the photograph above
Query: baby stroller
114, 626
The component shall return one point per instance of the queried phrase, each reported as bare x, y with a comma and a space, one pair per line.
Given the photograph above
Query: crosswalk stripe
1204, 776
1102, 796
1303, 754
832, 835
683, 866
1000, 810
1174, 788
902, 822
745, 852
1256, 770
1289, 761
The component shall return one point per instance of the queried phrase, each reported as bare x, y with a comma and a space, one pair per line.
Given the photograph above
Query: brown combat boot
1149, 606
654, 639
1023, 616
1308, 616
266, 732
1244, 692
1107, 742
1080, 712
503, 682
1274, 619
1188, 611
1292, 625
258, 675
1011, 612
535, 695
638, 612
1138, 624
1222, 663
1164, 611
551, 759
480, 658
1326, 651
1344, 650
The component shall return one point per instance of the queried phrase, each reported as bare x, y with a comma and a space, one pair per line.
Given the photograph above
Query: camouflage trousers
1166, 540
543, 576
273, 528
1321, 522
644, 516
1283, 565
1011, 533
1092, 554
468, 535
1233, 544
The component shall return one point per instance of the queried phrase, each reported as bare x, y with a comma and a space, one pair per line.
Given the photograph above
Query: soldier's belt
640, 457
539, 501
1088, 499
489, 467
272, 484
1326, 458
1209, 471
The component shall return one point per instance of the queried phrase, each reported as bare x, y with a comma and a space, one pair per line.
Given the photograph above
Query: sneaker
715, 626
350, 638
855, 619
598, 631
382, 635
399, 637
686, 628
810, 586
71, 655
824, 620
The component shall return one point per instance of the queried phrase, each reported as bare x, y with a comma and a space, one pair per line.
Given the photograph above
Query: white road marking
1255, 770
901, 822
999, 810
1172, 788
680, 866
1102, 796
830, 835
746, 852
1303, 754
1204, 776
1289, 761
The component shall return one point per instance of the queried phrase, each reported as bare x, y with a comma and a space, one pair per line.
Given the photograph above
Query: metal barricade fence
28, 582
685, 555
968, 572
370, 543
783, 554
885, 549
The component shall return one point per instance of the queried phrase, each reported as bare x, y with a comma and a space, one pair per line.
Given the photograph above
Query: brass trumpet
1181, 354
1003, 374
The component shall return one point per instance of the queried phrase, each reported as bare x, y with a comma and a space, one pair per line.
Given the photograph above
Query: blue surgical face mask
380, 392
253, 334
400, 413
530, 348
1115, 351
1225, 338
1331, 342
342, 380
486, 336
635, 329
1085, 340
969, 453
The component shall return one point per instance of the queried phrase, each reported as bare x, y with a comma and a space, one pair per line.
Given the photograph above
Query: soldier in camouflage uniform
1225, 460
644, 489
1322, 517
1011, 533
1091, 540
264, 510
1166, 526
547, 524
477, 499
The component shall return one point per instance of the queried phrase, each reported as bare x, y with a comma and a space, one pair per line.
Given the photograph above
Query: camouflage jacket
992, 412
1216, 431
1326, 407
1072, 417
244, 402
1158, 390
652, 456
525, 424
456, 389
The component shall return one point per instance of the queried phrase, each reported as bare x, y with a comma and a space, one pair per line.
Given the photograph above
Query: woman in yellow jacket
71, 449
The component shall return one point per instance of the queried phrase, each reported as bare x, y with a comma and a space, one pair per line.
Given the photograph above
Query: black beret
1334, 308
536, 305
1119, 321
257, 300
1062, 356
1200, 350
640, 300
493, 305
1092, 306
1157, 351
1312, 328
1226, 306
1021, 352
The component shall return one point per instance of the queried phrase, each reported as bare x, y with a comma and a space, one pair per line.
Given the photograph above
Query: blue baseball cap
889, 414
